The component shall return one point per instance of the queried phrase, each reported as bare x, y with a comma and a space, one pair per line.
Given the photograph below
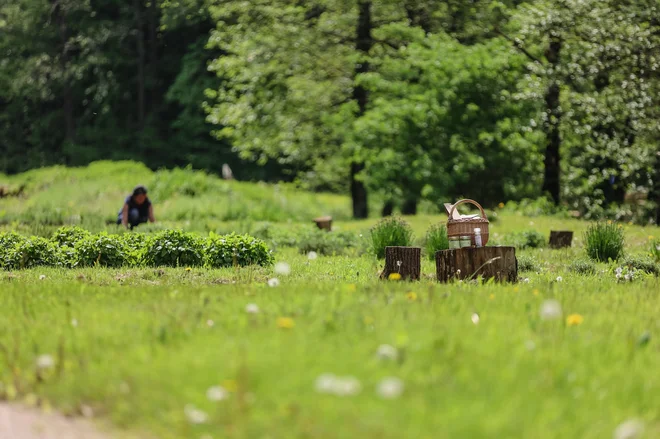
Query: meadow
315, 346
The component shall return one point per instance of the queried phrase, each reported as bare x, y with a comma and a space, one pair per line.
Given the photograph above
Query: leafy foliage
528, 263
582, 266
604, 241
174, 248
327, 243
390, 232
527, 239
236, 250
69, 235
642, 263
102, 250
435, 240
32, 252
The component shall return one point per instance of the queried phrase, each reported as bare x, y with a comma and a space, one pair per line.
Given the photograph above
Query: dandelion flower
559, 279
394, 276
188, 269
274, 282
475, 318
630, 429
609, 221
325, 383
252, 308
74, 323
45, 362
387, 352
491, 297
209, 323
282, 268
312, 255
347, 386
390, 388
285, 323
651, 238
217, 393
550, 310
536, 292
42, 277
501, 205
230, 385
368, 320
194, 415
412, 296
351, 288
574, 320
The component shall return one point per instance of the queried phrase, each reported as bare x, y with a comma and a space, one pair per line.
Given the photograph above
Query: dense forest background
408, 100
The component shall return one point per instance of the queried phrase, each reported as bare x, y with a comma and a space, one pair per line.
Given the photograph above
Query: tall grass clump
654, 250
582, 266
436, 239
390, 232
604, 242
528, 263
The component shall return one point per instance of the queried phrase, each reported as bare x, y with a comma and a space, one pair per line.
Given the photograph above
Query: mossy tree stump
324, 223
468, 263
406, 261
561, 238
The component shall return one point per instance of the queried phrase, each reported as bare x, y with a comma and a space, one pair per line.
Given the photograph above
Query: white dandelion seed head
312, 255
618, 271
390, 388
398, 263
630, 429
525, 280
550, 310
74, 323
458, 272
209, 323
273, 282
194, 415
559, 279
339, 386
45, 361
530, 345
252, 308
627, 276
325, 383
42, 277
387, 352
475, 318
282, 268
217, 393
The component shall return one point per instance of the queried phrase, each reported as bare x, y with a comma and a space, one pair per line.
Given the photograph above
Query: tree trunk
141, 55
551, 180
405, 261
153, 20
409, 206
59, 15
388, 208
361, 96
561, 239
654, 194
497, 263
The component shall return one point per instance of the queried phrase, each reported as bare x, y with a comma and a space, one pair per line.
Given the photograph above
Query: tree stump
561, 238
471, 262
324, 223
406, 261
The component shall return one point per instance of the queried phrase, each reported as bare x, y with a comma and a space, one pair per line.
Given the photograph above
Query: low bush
32, 252
528, 263
390, 232
174, 248
435, 240
642, 263
526, 239
103, 250
69, 235
604, 242
327, 243
582, 266
236, 250
8, 241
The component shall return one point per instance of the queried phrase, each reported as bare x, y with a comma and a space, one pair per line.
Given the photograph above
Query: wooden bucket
466, 226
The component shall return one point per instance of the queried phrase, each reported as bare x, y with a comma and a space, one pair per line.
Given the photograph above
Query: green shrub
32, 252
654, 250
102, 250
436, 239
526, 239
326, 243
390, 232
232, 250
642, 263
8, 241
135, 244
69, 235
582, 266
528, 263
604, 242
174, 248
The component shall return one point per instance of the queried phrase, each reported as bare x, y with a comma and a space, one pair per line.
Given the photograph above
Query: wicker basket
466, 226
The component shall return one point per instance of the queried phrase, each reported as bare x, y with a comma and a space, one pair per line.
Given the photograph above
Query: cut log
406, 261
561, 238
471, 262
324, 223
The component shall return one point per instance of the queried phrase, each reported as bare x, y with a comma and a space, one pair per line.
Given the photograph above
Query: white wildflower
45, 361
274, 282
282, 268
216, 393
312, 255
550, 310
194, 415
42, 277
325, 383
525, 280
387, 352
630, 429
340, 386
475, 318
530, 345
252, 308
559, 279
390, 388
74, 323
209, 323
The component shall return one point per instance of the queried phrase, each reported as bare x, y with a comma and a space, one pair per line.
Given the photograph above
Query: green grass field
331, 351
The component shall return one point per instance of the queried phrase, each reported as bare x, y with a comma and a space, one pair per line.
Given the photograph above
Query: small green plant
604, 242
69, 235
390, 232
528, 263
527, 239
642, 263
436, 239
326, 243
654, 250
236, 250
102, 250
174, 248
582, 266
32, 252
8, 240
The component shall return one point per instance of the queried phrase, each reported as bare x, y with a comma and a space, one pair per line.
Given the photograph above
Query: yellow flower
230, 385
188, 268
574, 320
412, 296
620, 226
516, 289
368, 320
609, 221
651, 238
492, 296
501, 205
351, 288
394, 276
630, 223
536, 292
285, 323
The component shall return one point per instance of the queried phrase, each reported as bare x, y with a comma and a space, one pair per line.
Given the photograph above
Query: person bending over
137, 209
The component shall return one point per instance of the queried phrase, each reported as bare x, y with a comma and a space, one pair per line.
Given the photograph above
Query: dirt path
22, 423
